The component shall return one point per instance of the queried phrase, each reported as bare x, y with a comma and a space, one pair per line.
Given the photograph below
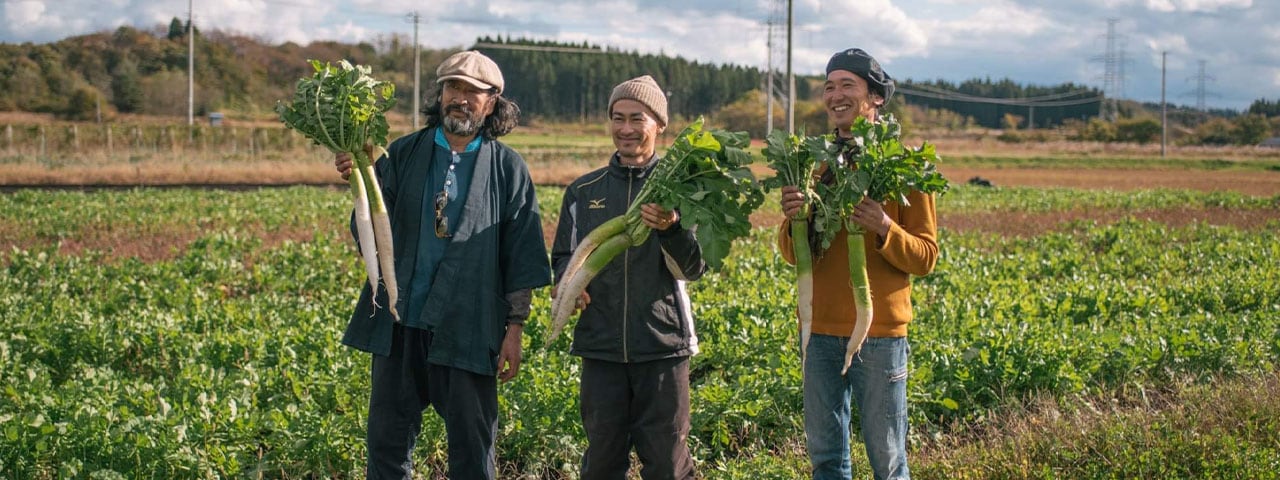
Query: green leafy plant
795, 159
343, 109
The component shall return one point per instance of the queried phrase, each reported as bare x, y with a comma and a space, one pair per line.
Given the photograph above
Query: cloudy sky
1043, 42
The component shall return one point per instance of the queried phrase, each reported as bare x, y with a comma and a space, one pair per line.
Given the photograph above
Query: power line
1011, 101
1020, 102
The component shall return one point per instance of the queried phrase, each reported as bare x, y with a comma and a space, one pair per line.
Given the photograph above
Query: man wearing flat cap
901, 241
635, 334
468, 251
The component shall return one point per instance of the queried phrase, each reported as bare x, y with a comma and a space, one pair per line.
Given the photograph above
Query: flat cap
472, 67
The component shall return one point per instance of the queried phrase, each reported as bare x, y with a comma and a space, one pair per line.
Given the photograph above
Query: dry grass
172, 173
1038, 436
559, 152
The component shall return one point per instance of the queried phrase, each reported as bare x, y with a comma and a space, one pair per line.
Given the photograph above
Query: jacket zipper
626, 276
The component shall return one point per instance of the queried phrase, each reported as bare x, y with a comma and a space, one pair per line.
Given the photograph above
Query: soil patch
1257, 183
1023, 224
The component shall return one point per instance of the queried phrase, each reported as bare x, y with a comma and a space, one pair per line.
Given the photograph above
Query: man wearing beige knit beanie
635, 334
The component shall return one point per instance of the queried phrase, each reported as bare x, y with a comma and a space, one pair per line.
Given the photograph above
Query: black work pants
403, 385
642, 405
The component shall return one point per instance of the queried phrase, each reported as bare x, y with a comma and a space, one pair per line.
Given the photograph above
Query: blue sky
1042, 42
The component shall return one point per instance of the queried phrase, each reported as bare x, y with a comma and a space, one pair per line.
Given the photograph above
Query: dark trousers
641, 405
403, 385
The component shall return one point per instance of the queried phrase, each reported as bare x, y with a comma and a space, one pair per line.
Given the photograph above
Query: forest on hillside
144, 71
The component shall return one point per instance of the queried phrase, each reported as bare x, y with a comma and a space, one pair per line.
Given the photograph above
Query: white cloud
1207, 6
1174, 44
1002, 27
30, 17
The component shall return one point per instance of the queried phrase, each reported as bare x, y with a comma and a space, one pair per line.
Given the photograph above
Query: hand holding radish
658, 218
342, 161
579, 304
792, 201
870, 215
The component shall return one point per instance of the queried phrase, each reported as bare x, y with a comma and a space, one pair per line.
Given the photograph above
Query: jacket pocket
665, 328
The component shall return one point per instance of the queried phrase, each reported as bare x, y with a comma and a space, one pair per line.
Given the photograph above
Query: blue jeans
877, 382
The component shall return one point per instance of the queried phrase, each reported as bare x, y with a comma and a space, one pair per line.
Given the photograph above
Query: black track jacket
639, 308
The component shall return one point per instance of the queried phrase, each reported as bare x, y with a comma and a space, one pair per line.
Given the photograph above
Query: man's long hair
503, 119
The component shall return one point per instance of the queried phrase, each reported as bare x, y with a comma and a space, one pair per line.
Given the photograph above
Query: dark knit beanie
863, 65
644, 90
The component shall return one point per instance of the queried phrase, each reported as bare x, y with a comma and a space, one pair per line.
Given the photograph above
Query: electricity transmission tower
1200, 92
1113, 61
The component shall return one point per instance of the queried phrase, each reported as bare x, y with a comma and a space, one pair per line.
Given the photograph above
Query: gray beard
462, 128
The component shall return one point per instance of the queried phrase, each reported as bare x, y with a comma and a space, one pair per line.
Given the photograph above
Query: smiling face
635, 131
464, 107
847, 97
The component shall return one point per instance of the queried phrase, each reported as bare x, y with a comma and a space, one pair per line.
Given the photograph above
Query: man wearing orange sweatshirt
900, 241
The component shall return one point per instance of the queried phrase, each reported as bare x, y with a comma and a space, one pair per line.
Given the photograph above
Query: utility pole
414, 18
768, 89
791, 78
1164, 108
191, 66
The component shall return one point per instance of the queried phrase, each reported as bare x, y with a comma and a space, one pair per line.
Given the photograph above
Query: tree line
140, 71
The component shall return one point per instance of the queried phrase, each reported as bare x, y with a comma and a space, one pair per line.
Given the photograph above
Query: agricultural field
1069, 331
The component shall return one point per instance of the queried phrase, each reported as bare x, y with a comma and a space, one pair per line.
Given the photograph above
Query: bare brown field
1025, 224
985, 145
319, 172
172, 173
166, 244
1258, 183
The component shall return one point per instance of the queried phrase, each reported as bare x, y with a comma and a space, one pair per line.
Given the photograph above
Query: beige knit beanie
645, 90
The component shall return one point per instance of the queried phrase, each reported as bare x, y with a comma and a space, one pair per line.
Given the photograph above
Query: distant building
1273, 142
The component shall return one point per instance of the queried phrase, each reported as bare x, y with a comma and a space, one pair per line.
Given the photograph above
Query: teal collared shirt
456, 168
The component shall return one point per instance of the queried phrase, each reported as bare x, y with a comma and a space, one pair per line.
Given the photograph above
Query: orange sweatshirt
910, 248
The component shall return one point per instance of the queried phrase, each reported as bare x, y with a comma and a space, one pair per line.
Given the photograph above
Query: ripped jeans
877, 384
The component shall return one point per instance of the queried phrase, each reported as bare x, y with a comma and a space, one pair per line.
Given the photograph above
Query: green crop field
195, 334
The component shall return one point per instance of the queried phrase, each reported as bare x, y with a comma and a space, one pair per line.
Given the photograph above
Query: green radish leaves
795, 158
704, 175
343, 108
875, 164
892, 169
340, 107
